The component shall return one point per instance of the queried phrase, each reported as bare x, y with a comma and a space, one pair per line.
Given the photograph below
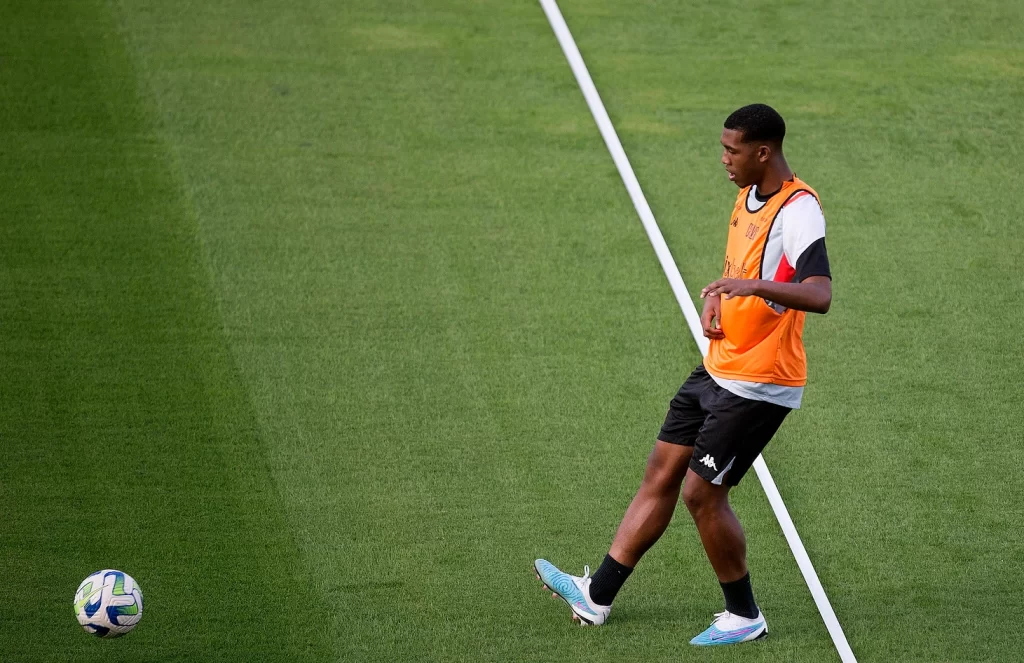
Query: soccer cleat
730, 629
573, 590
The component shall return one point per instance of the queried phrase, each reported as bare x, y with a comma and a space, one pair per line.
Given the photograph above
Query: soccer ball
108, 603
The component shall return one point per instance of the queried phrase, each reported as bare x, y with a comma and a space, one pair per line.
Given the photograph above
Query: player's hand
730, 288
710, 319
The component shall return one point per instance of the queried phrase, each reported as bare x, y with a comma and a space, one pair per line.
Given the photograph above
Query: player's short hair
757, 122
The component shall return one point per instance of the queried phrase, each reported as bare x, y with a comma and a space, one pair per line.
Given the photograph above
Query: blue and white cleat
573, 590
730, 629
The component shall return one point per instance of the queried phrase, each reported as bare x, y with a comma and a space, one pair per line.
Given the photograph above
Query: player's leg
646, 519
650, 512
722, 535
726, 548
647, 516
735, 432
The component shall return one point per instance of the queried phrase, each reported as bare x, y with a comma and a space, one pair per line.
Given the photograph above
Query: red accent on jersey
796, 198
786, 272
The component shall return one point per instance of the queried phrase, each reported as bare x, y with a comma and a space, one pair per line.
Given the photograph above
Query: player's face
742, 160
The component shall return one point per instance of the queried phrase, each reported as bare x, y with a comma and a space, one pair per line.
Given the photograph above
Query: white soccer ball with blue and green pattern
108, 603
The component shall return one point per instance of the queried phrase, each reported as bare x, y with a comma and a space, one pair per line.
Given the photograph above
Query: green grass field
324, 319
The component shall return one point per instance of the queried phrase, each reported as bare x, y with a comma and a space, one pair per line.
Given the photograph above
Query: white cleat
730, 629
574, 590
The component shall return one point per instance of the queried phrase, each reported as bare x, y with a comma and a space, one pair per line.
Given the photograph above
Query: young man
776, 268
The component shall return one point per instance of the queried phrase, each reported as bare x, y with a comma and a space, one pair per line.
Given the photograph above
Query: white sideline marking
611, 139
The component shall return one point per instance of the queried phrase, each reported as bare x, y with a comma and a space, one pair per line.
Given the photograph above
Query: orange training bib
763, 341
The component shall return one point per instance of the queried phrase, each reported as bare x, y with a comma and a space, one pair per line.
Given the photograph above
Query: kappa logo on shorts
709, 461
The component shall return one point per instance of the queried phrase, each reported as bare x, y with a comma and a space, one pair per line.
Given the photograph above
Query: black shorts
726, 431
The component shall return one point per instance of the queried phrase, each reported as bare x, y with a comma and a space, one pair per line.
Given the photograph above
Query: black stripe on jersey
760, 268
813, 262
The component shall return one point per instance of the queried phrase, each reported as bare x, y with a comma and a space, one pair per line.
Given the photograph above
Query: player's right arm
711, 317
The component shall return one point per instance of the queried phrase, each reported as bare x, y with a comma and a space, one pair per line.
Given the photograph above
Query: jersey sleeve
803, 238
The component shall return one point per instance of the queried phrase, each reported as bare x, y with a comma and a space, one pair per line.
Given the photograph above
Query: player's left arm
813, 294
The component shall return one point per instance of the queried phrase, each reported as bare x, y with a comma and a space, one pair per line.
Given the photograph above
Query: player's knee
658, 479
700, 496
693, 497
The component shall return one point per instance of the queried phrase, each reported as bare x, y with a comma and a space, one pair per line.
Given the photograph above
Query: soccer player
776, 269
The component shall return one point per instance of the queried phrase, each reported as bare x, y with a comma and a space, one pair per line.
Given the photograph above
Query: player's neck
776, 173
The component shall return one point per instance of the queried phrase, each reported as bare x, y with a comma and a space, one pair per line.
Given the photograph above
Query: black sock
739, 597
607, 582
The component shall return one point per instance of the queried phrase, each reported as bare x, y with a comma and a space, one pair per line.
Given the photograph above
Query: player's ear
764, 153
